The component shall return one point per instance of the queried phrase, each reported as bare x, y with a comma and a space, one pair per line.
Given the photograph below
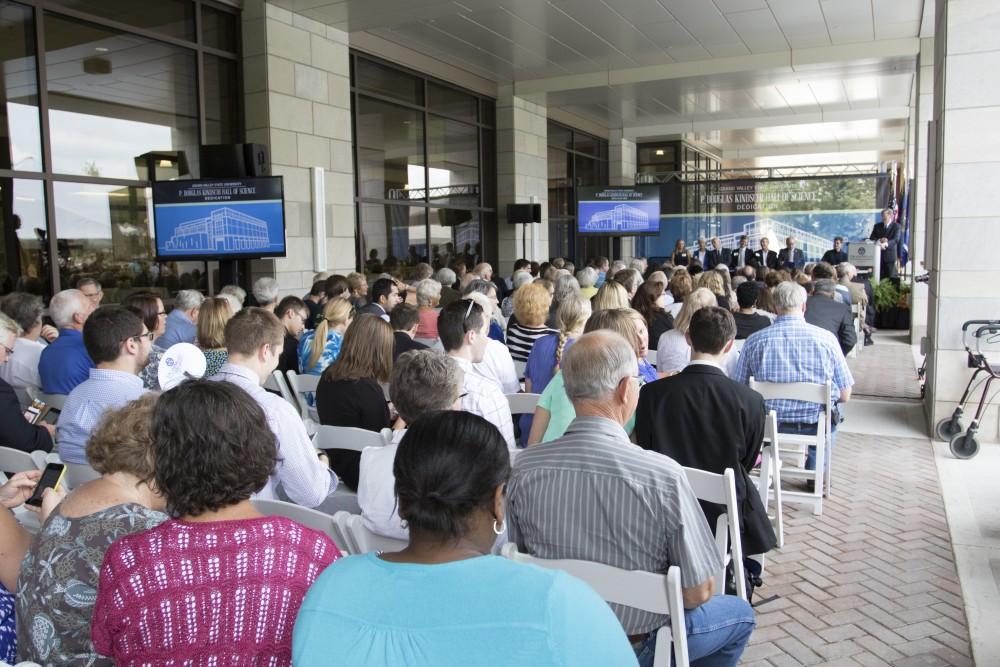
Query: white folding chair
300, 386
341, 536
795, 446
309, 518
433, 343
363, 540
522, 403
14, 460
648, 591
856, 314
519, 367
276, 382
738, 345
349, 437
769, 480
79, 473
721, 490
54, 401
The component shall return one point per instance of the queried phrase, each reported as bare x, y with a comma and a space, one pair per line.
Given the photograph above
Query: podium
866, 256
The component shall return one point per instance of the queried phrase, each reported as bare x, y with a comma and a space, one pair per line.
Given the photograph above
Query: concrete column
522, 176
924, 109
296, 74
621, 171
964, 229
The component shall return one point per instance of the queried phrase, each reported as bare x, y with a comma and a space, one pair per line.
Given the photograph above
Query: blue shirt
180, 329
792, 350
480, 611
330, 352
104, 390
65, 363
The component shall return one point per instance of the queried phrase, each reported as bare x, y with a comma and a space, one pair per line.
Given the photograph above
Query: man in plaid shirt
792, 350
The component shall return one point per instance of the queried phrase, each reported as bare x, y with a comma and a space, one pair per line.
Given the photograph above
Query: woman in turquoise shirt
443, 600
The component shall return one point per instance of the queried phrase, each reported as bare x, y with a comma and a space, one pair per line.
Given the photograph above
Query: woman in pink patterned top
219, 583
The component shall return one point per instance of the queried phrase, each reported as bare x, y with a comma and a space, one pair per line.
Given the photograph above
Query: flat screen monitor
618, 211
219, 219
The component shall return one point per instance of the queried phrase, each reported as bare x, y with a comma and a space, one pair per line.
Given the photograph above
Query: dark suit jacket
716, 257
289, 359
891, 253
17, 432
834, 316
372, 309
734, 257
757, 259
702, 419
797, 260
404, 343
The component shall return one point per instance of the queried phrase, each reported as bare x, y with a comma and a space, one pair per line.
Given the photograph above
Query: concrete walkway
873, 581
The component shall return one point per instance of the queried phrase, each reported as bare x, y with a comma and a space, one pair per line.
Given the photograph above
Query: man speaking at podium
887, 234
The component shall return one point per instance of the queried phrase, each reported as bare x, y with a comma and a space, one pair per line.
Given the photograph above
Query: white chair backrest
347, 437
54, 401
522, 403
365, 540
341, 536
309, 518
278, 383
79, 473
14, 460
738, 345
797, 391
721, 490
648, 591
519, 367
300, 386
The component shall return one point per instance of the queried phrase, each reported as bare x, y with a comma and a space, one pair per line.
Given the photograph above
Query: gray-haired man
593, 495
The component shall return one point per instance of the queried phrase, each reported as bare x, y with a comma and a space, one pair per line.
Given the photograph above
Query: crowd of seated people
168, 518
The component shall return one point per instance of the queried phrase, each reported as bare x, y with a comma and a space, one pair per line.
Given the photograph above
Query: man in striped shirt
593, 495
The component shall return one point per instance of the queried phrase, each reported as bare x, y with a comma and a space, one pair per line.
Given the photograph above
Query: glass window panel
222, 101
488, 112
392, 235
390, 151
389, 82
114, 97
559, 136
218, 28
453, 162
452, 102
585, 144
559, 238
455, 235
24, 245
488, 182
587, 171
560, 166
20, 138
170, 17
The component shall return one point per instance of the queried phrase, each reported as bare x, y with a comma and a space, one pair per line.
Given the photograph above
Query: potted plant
892, 304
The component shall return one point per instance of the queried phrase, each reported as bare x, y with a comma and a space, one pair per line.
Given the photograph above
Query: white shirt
484, 398
673, 353
21, 369
497, 366
675, 308
377, 490
306, 480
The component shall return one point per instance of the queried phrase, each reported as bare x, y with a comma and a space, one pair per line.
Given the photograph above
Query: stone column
920, 199
621, 171
522, 176
296, 74
965, 227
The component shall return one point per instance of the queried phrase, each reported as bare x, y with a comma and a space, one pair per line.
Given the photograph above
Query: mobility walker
977, 334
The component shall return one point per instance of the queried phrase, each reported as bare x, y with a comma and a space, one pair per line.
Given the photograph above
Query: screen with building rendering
618, 210
219, 219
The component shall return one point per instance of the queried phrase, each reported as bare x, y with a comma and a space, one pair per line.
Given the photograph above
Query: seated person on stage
792, 350
350, 390
444, 600
65, 364
55, 604
18, 432
679, 416
423, 381
293, 313
837, 254
463, 327
790, 257
748, 320
118, 342
216, 583
405, 320
182, 322
824, 310
593, 495
21, 369
255, 338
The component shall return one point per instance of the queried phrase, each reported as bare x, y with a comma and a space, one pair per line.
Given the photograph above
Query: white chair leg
778, 508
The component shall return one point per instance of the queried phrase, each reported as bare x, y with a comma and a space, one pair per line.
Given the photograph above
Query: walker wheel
948, 428
964, 445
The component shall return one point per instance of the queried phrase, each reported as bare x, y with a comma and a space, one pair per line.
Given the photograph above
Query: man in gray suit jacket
825, 311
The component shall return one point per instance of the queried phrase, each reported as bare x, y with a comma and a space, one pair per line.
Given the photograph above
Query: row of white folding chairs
347, 530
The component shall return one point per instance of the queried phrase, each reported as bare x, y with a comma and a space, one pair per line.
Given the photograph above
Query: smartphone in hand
51, 478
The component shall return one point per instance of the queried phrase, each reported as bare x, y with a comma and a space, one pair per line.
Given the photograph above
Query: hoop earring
499, 529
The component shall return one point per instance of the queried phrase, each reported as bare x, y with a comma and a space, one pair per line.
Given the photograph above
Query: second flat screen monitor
618, 211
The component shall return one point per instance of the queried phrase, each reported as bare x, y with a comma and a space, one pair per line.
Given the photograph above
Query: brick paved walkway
886, 370
872, 581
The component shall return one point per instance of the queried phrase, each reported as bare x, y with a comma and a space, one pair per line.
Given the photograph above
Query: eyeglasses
149, 334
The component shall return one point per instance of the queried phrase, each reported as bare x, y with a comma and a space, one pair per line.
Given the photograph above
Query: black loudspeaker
235, 160
523, 213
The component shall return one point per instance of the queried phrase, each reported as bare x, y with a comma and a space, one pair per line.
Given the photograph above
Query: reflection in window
390, 145
24, 245
455, 236
389, 82
453, 160
20, 139
115, 96
393, 237
222, 101
442, 99
170, 17
218, 28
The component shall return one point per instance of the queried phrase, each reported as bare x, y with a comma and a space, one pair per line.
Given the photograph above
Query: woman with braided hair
543, 362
